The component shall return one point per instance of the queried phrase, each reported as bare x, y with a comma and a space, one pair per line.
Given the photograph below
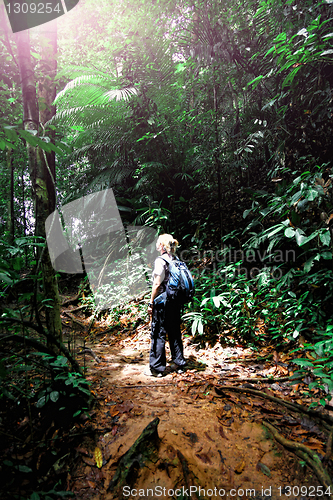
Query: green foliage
13, 258
240, 305
319, 364
303, 203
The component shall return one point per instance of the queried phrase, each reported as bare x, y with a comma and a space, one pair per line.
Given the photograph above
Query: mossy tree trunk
41, 165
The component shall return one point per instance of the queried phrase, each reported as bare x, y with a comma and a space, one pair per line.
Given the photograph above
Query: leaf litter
206, 438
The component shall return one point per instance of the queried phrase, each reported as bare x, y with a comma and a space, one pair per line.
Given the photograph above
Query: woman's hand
150, 310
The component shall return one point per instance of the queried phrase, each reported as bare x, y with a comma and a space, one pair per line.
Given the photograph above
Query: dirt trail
223, 446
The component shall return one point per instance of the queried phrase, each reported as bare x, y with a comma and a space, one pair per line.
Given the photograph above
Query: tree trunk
42, 178
10, 218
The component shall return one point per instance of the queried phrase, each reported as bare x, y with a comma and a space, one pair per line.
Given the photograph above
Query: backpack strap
166, 260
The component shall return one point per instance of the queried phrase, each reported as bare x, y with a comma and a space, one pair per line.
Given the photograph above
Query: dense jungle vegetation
212, 121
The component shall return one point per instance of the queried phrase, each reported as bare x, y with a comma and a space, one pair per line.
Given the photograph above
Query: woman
165, 314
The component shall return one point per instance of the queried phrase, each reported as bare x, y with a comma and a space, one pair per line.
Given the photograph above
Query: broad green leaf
54, 396
289, 232
299, 235
11, 134
308, 264
325, 237
327, 52
23, 468
216, 301
6, 278
308, 238
41, 402
302, 362
311, 194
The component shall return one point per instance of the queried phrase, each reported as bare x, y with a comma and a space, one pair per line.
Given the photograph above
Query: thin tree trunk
43, 182
23, 205
10, 219
46, 167
24, 215
217, 156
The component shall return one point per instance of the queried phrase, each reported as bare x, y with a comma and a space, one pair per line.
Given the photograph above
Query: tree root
142, 386
71, 300
328, 447
248, 360
87, 350
81, 325
85, 306
308, 455
186, 470
291, 406
264, 380
143, 451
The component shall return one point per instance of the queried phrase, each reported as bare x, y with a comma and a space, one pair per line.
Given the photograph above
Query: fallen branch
247, 360
142, 386
264, 380
87, 350
292, 406
306, 454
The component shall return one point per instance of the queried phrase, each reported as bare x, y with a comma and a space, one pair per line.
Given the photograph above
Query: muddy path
208, 439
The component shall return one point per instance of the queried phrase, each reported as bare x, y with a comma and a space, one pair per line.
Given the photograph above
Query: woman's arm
156, 284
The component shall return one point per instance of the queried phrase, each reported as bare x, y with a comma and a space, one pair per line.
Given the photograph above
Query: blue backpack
180, 285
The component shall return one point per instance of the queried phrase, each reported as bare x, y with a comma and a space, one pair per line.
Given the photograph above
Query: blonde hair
168, 242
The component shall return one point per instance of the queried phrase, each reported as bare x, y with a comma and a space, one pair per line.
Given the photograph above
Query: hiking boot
177, 368
150, 372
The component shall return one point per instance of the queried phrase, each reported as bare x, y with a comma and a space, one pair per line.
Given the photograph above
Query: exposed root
292, 406
308, 455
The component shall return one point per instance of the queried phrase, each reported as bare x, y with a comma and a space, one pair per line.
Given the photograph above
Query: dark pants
165, 321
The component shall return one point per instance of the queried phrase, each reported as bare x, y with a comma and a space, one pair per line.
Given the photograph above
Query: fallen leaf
276, 357
208, 437
192, 435
222, 433
81, 450
204, 458
91, 484
264, 469
88, 461
125, 407
98, 457
240, 467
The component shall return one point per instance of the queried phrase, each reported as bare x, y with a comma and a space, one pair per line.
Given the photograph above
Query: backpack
180, 285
